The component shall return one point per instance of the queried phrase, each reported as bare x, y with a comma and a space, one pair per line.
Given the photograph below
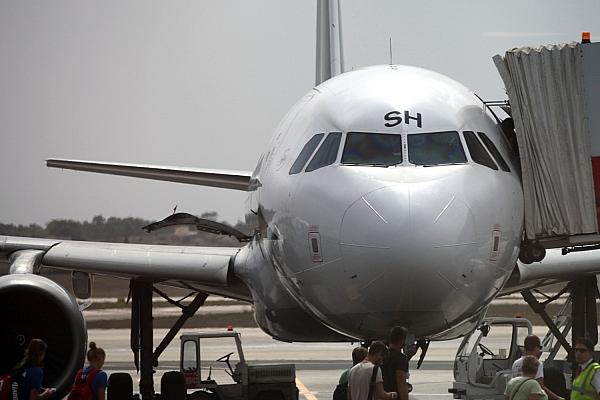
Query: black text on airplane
395, 118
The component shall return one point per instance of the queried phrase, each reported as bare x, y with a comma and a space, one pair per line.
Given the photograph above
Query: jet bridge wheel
531, 252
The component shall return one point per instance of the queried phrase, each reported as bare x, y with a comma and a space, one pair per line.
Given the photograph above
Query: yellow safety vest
582, 385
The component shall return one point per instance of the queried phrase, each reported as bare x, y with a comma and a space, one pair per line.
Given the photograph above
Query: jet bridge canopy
554, 93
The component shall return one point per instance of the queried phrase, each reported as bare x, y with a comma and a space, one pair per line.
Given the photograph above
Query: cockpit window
305, 154
494, 150
478, 153
435, 149
372, 149
327, 153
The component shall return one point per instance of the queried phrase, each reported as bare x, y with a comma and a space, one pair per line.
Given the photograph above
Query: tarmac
318, 365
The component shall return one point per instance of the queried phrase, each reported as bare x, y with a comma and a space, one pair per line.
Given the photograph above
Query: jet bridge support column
585, 322
141, 334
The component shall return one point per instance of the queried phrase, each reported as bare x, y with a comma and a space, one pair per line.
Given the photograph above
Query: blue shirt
98, 383
30, 378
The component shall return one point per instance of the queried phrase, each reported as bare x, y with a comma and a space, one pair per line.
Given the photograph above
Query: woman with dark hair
30, 373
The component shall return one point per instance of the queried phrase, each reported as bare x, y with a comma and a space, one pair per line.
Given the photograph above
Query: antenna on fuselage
330, 54
391, 55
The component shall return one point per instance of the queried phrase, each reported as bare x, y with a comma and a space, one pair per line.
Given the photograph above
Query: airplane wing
199, 268
237, 180
554, 268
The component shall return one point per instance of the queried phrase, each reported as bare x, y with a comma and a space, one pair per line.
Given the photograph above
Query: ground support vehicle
228, 376
483, 362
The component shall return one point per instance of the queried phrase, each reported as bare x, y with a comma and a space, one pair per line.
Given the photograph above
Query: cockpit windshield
372, 149
435, 148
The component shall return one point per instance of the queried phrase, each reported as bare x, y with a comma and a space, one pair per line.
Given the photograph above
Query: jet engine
32, 306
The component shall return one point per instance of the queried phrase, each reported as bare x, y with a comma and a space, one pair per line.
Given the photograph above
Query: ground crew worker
586, 385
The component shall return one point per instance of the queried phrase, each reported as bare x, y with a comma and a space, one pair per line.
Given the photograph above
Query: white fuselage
363, 247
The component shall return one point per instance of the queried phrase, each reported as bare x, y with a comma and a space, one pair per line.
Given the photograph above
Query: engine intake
32, 306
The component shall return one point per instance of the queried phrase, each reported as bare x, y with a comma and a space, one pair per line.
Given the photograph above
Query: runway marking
304, 390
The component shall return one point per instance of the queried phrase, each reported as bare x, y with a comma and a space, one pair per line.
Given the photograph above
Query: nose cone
410, 249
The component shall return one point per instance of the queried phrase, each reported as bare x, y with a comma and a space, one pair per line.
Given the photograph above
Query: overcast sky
204, 83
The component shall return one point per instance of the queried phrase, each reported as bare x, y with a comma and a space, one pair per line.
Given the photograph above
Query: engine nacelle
32, 306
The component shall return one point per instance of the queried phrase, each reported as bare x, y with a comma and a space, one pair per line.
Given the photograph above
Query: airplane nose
411, 247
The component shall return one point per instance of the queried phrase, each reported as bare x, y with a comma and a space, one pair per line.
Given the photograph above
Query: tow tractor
483, 362
227, 376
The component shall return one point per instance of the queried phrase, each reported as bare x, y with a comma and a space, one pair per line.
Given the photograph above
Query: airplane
388, 195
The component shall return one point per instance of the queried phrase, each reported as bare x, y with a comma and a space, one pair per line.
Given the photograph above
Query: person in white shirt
533, 347
366, 378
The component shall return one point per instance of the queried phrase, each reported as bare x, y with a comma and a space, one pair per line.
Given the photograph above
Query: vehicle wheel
555, 380
524, 255
172, 386
531, 252
119, 387
537, 251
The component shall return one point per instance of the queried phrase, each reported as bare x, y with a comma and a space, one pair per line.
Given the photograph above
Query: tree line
122, 230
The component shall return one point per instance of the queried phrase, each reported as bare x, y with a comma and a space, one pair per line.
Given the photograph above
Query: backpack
8, 387
82, 389
340, 392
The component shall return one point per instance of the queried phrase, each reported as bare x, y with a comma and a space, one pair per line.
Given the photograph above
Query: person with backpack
90, 381
341, 390
365, 381
28, 374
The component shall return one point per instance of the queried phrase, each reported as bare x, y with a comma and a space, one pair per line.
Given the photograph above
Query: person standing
395, 364
586, 385
526, 387
91, 379
533, 347
341, 390
30, 374
365, 380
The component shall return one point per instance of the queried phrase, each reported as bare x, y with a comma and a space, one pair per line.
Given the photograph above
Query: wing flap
236, 180
206, 265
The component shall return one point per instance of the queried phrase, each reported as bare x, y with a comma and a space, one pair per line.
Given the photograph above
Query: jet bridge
554, 95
